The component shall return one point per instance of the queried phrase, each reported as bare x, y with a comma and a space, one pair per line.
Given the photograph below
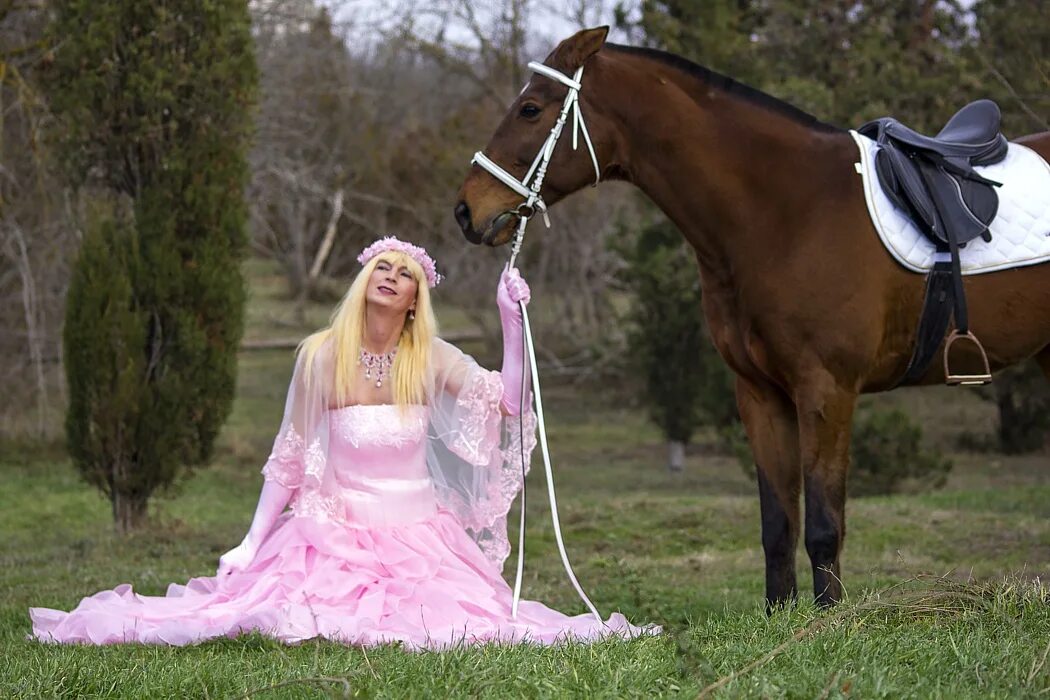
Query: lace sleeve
298, 452
477, 457
468, 397
285, 465
480, 418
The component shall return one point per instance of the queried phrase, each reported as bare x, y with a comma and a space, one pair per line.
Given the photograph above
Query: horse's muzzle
462, 214
497, 232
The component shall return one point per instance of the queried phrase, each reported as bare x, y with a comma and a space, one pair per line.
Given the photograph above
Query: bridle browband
530, 185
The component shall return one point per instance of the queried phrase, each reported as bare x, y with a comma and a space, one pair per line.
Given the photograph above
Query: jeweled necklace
380, 364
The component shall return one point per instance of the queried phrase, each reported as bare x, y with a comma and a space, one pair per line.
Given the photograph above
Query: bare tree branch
1013, 93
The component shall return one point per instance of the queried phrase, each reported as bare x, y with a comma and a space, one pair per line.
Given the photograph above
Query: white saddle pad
1020, 230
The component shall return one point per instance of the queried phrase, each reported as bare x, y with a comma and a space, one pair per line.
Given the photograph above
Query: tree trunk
675, 455
129, 512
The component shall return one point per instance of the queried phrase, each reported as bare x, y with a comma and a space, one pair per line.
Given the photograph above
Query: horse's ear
572, 52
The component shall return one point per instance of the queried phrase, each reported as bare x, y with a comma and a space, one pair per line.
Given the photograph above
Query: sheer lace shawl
300, 450
475, 455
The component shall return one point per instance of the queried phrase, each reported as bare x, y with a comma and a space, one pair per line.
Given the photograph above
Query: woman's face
393, 287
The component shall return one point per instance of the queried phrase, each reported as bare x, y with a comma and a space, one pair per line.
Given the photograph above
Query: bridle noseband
530, 185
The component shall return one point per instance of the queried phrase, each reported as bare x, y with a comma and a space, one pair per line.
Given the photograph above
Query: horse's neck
729, 173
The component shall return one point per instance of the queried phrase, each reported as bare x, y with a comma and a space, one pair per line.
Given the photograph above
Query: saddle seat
932, 179
973, 132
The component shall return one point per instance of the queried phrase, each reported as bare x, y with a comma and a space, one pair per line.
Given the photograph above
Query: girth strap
933, 323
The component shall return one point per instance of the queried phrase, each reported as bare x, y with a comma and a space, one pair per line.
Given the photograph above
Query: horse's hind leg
772, 428
825, 417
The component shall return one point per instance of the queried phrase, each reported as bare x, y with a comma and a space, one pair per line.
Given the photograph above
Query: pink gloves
272, 501
512, 289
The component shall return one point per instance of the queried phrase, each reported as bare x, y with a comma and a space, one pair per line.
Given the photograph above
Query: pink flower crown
413, 251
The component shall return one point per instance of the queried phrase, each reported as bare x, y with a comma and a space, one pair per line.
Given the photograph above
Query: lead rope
550, 483
529, 348
521, 446
534, 203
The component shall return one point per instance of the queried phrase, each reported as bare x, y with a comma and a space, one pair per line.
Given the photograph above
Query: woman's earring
411, 314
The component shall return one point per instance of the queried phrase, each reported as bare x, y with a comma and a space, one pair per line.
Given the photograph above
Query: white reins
529, 188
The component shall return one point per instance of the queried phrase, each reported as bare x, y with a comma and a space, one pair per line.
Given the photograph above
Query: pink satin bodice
377, 463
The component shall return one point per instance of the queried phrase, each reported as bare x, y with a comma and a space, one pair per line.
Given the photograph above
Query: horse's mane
728, 85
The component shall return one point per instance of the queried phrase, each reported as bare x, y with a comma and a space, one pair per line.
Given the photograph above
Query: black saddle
933, 181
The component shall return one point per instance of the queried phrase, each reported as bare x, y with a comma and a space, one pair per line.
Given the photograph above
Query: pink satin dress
373, 560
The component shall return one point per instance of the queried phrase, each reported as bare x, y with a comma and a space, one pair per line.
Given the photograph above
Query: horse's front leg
772, 429
825, 416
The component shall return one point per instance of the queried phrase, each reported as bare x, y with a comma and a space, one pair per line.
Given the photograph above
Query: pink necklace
380, 364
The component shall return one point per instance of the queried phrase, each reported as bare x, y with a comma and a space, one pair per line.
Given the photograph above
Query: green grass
681, 550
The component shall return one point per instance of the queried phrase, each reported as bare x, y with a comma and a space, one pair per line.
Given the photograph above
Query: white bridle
529, 188
538, 170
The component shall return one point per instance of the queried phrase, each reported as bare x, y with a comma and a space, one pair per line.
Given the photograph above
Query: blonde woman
382, 516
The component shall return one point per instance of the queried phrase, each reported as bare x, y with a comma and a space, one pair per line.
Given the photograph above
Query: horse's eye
529, 111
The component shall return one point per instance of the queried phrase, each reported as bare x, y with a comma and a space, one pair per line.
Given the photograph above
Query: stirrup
966, 379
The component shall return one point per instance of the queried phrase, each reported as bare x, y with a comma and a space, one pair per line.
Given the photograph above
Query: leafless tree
37, 239
390, 125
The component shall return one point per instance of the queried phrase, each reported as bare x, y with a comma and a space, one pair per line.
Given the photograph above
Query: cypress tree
152, 103
686, 383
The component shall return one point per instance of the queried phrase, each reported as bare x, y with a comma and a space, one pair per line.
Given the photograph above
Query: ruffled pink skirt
425, 584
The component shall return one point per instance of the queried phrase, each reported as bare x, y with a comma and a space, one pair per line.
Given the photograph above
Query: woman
399, 457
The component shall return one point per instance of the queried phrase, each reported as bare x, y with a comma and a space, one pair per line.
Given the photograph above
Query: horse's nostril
462, 213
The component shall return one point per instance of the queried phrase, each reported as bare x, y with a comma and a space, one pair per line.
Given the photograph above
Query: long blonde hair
347, 327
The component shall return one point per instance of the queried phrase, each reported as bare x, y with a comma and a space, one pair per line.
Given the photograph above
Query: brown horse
802, 300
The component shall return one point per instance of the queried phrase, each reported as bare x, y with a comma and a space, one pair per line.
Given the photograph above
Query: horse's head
487, 209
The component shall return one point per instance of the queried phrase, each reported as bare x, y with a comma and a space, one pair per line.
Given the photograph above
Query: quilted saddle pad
1020, 231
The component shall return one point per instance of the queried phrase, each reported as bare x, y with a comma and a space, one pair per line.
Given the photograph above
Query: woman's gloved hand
511, 292
272, 500
238, 558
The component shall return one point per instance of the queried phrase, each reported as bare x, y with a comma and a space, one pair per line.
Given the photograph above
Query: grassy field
945, 598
